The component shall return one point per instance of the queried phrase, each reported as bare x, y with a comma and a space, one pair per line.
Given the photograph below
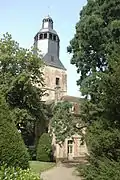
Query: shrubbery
12, 149
44, 148
32, 152
10, 173
102, 169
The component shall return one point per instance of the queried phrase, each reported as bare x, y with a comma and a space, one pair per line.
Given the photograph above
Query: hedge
44, 148
12, 148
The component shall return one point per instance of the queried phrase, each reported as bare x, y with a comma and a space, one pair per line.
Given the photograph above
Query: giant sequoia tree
96, 54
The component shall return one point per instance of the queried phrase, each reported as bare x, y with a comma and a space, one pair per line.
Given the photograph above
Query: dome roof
47, 25
48, 17
48, 30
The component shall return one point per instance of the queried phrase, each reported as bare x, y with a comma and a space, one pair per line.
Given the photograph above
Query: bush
11, 173
44, 148
102, 169
32, 152
12, 149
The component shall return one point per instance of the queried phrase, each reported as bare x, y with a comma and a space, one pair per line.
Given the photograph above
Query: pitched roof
54, 63
71, 99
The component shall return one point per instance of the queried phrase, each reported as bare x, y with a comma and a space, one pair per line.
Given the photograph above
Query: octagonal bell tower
55, 76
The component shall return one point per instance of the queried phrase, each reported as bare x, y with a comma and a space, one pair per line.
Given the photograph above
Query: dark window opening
41, 36
57, 81
70, 146
54, 37
70, 142
45, 20
50, 36
45, 36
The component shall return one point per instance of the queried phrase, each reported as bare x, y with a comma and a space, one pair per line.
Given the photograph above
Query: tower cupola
48, 42
47, 23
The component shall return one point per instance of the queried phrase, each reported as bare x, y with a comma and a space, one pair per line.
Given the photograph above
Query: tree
96, 54
103, 132
21, 82
12, 148
44, 148
64, 123
97, 36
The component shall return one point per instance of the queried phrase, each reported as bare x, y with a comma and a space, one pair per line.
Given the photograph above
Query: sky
23, 19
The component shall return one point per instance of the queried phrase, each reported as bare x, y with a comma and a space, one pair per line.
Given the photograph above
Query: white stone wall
47, 46
42, 45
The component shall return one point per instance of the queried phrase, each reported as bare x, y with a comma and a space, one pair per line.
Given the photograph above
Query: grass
38, 167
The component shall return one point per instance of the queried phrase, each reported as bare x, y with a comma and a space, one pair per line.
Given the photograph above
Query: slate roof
47, 30
72, 99
54, 63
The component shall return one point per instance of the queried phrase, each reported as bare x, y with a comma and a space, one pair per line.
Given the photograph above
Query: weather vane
48, 10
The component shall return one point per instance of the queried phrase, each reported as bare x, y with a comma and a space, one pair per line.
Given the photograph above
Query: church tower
55, 75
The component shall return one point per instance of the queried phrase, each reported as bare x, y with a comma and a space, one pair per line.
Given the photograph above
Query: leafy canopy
95, 52
21, 82
96, 38
64, 123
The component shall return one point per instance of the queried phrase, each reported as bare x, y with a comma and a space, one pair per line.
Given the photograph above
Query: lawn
38, 167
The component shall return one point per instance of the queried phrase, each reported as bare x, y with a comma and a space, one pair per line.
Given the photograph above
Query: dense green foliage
96, 54
97, 36
63, 122
44, 148
21, 82
12, 173
12, 149
20, 71
32, 152
104, 169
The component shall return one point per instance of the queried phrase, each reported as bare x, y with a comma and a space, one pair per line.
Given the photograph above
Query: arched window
50, 36
45, 36
57, 82
41, 36
54, 37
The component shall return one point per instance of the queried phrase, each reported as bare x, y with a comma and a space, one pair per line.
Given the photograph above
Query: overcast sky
23, 20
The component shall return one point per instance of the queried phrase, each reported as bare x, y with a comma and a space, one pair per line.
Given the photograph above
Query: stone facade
73, 149
78, 151
55, 83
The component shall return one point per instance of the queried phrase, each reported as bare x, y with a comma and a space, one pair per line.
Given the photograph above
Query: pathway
61, 172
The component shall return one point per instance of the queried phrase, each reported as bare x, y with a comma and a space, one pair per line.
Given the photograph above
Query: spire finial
48, 10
